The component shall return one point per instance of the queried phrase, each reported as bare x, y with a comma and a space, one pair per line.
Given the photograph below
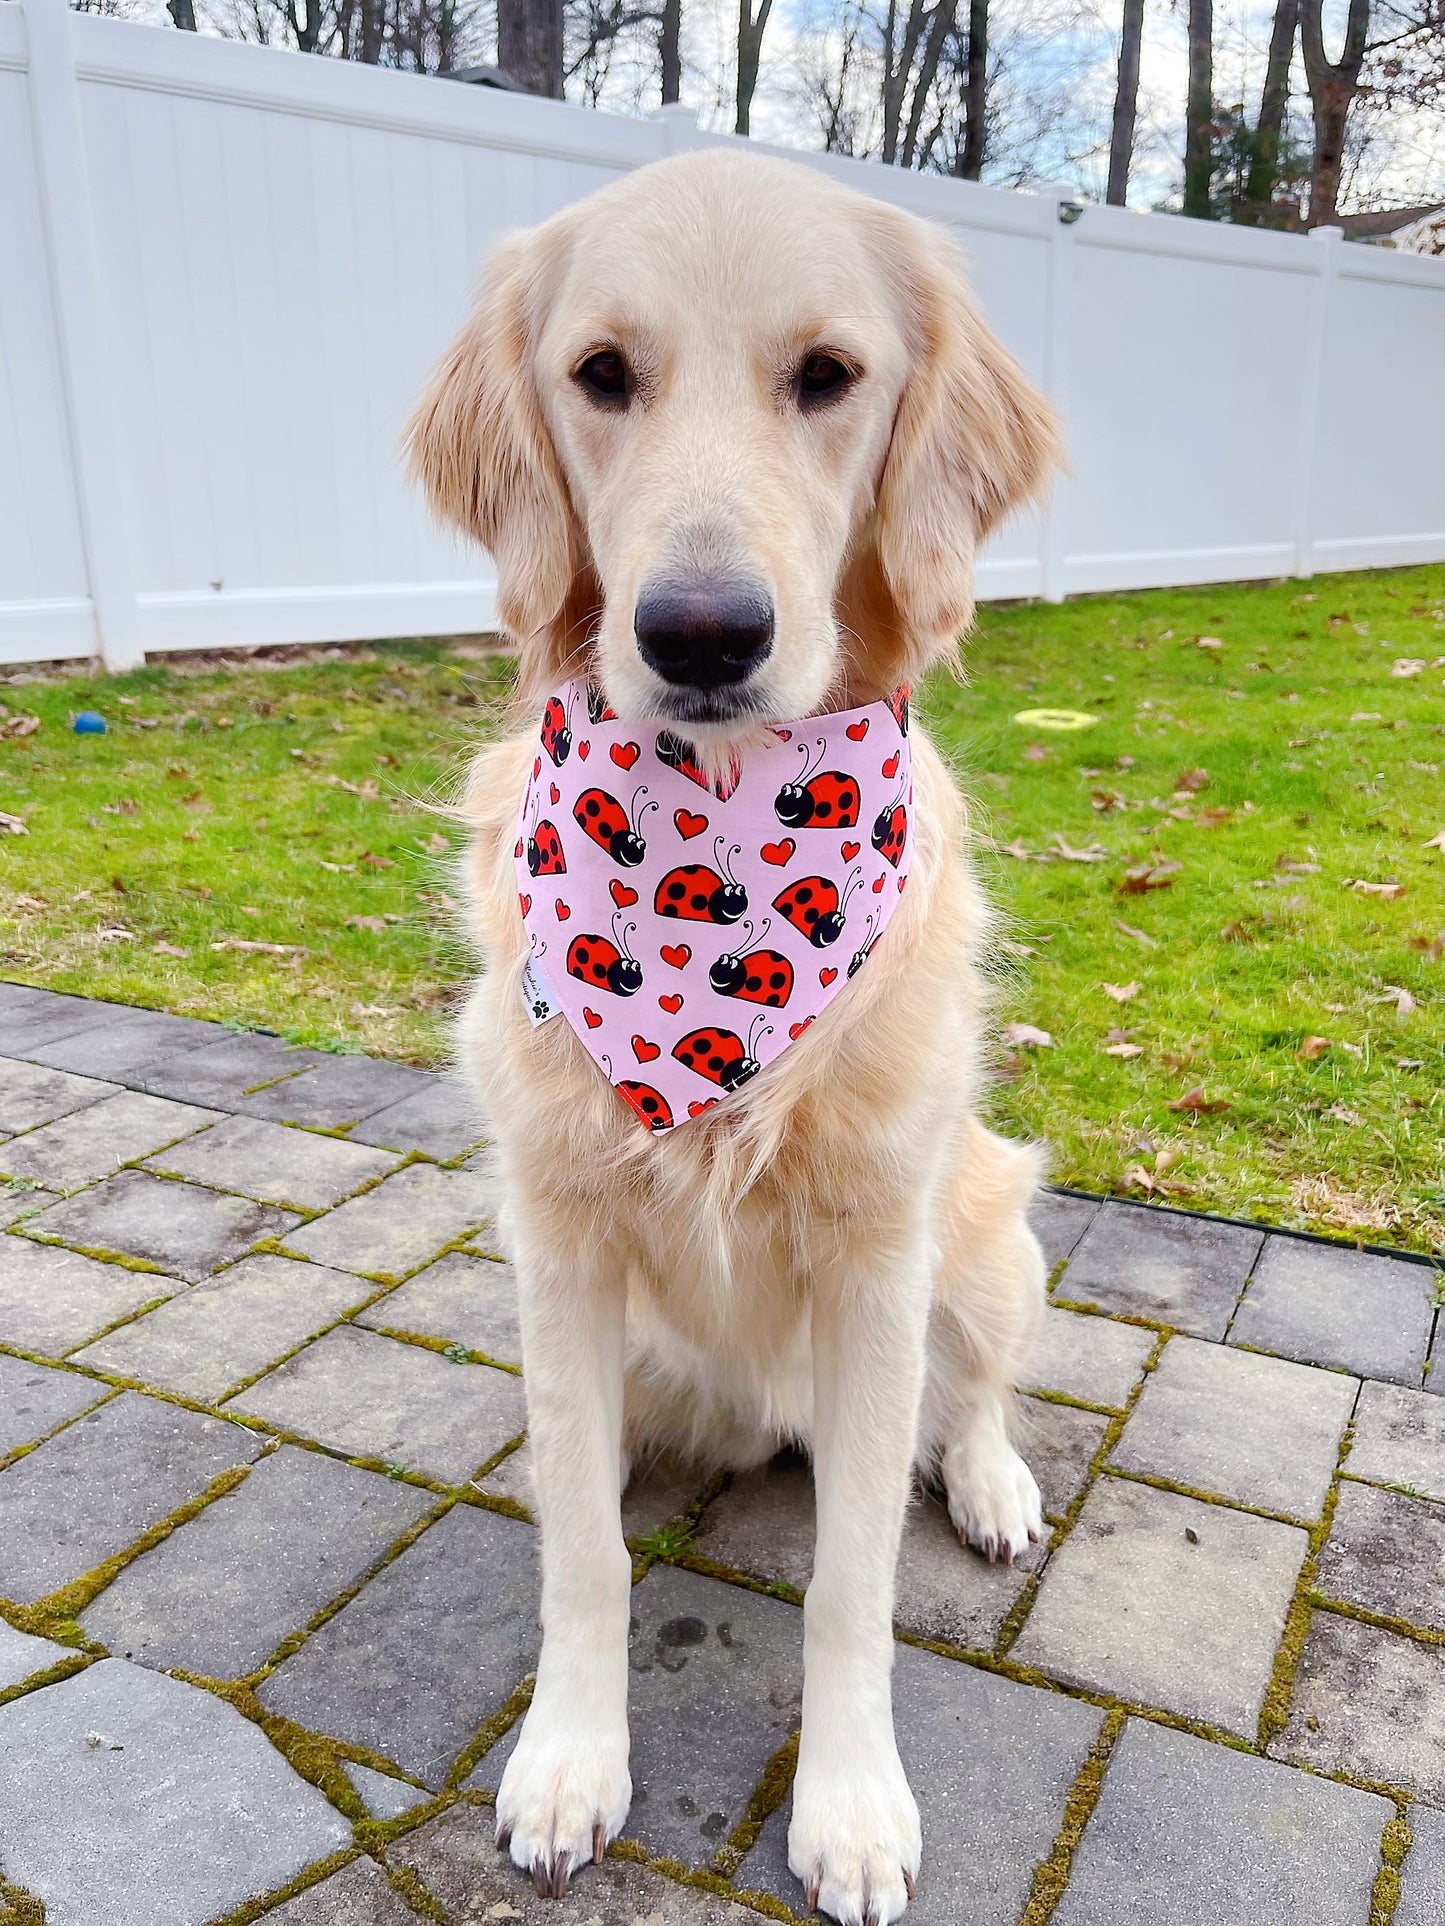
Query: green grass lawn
1242, 846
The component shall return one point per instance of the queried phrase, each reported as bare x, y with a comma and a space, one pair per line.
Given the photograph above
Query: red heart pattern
622, 895
677, 955
857, 730
688, 825
624, 754
672, 1004
778, 853
850, 850
590, 1017
645, 1051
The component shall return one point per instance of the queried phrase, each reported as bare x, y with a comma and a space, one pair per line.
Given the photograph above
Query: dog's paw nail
599, 1843
542, 1878
908, 1885
504, 1838
810, 1894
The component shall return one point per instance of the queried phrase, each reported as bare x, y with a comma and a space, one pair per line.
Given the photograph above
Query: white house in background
1425, 236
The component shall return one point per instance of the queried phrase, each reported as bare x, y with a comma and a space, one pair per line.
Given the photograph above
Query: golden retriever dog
734, 372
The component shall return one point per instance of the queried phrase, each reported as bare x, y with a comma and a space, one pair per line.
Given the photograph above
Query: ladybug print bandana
688, 929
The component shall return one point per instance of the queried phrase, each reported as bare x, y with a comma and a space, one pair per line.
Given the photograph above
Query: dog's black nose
704, 635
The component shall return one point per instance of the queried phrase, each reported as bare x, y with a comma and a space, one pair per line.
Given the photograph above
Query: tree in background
1199, 112
751, 26
1253, 205
969, 165
1126, 104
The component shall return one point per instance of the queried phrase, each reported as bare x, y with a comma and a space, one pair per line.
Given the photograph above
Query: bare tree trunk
940, 27
183, 12
970, 158
1199, 111
1273, 103
1126, 103
670, 51
750, 47
1333, 88
529, 44
373, 30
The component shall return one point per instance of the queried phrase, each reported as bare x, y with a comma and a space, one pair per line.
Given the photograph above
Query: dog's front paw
854, 1839
993, 1499
563, 1796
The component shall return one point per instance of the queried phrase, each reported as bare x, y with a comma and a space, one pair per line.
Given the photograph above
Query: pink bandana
690, 930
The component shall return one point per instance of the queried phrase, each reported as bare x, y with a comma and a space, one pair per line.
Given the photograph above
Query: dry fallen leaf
1236, 933
376, 1009
1016, 949
1123, 1049
1095, 853
1342, 1113
1016, 848
339, 869
260, 949
1191, 782
12, 825
376, 862
162, 948
1437, 841
1313, 1048
1208, 642
1391, 891
1147, 876
437, 843
1196, 1101
1434, 947
17, 727
1027, 1036
1215, 817
1139, 936
1403, 667
1405, 1004
1120, 992
115, 933
1036, 752
374, 923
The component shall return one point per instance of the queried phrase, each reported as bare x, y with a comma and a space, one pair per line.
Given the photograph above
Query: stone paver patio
267, 1574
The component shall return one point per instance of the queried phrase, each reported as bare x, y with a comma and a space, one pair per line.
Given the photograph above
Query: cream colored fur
838, 1254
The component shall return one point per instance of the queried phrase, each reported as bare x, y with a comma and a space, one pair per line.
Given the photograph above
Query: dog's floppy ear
480, 447
972, 440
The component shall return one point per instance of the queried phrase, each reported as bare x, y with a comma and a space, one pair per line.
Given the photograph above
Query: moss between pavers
487, 1735
1381, 1621
19, 1908
1274, 1715
255, 1909
122, 1259
1052, 1876
1018, 1612
293, 1641
1394, 1846
768, 1794
70, 1600
1201, 1496
62, 1669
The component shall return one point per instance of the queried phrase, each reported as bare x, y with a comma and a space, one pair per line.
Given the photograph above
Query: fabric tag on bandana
690, 929
536, 997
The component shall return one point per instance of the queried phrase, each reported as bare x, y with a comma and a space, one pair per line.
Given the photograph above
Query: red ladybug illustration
699, 894
890, 833
862, 954
604, 819
898, 703
720, 1055
650, 1105
599, 709
605, 965
544, 851
814, 907
556, 731
826, 801
754, 975
674, 753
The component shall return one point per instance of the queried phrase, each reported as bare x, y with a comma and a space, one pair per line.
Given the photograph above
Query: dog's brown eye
822, 377
604, 376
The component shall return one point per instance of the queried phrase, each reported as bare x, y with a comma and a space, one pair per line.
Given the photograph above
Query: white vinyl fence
224, 270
